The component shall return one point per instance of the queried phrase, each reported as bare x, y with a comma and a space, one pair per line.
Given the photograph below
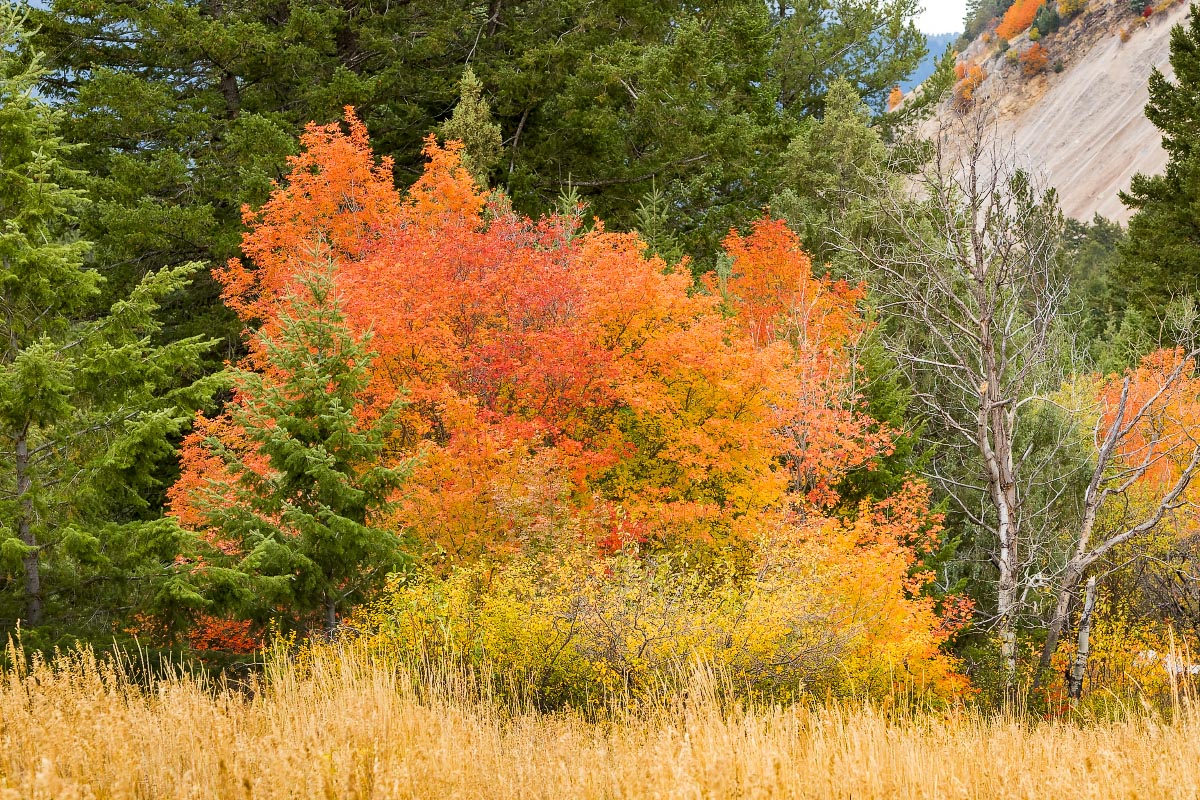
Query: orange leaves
895, 98
1034, 60
814, 324
335, 204
970, 79
520, 342
1018, 18
780, 300
445, 191
1162, 412
563, 386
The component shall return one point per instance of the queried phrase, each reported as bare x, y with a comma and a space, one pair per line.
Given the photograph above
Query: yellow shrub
828, 612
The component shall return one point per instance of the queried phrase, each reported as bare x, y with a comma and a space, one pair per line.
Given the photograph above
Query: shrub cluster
809, 615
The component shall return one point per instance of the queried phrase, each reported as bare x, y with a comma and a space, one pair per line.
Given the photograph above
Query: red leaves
1034, 60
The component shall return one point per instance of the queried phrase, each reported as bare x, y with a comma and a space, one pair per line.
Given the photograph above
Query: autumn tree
88, 402
1034, 60
1018, 18
530, 345
570, 393
295, 476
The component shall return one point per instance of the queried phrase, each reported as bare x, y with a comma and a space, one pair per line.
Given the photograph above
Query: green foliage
88, 403
472, 125
980, 14
872, 45
1046, 21
186, 111
830, 167
1091, 252
655, 226
305, 495
1161, 258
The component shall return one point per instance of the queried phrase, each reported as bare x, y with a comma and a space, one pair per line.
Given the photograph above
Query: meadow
336, 725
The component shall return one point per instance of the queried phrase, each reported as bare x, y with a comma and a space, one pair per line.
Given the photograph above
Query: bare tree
1134, 440
967, 265
968, 271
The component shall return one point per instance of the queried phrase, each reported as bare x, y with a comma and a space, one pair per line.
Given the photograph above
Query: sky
942, 16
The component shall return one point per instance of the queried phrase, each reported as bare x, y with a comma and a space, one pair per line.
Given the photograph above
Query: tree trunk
32, 577
330, 615
1058, 622
1079, 665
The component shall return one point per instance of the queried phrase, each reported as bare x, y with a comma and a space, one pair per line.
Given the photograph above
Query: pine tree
1161, 258
654, 225
304, 497
472, 125
88, 404
187, 109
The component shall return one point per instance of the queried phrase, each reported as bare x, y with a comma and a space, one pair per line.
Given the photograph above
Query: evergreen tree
305, 496
187, 110
88, 404
871, 44
472, 125
1161, 257
654, 224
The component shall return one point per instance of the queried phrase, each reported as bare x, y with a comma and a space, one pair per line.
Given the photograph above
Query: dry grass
351, 729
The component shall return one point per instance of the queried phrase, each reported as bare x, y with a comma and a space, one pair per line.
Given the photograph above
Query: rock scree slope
1083, 130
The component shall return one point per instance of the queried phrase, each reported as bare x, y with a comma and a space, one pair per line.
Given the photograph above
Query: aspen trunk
1079, 665
1058, 622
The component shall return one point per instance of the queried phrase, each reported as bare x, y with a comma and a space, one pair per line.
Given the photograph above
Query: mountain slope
1083, 129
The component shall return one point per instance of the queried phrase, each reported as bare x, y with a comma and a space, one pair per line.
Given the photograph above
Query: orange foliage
780, 302
964, 91
1034, 60
561, 383
1161, 440
512, 338
878, 553
895, 98
224, 635
1018, 18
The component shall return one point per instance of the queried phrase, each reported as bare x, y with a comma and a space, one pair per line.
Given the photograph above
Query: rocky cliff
1080, 123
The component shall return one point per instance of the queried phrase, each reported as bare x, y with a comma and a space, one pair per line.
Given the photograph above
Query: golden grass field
348, 728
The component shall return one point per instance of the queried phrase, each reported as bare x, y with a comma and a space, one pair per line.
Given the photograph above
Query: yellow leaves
825, 605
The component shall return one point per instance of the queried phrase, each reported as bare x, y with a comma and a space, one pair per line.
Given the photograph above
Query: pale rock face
1084, 131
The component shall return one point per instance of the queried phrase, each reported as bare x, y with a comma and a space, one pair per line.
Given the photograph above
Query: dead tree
967, 266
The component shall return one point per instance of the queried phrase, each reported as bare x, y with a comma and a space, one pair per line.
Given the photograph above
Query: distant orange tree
1018, 18
1034, 60
964, 91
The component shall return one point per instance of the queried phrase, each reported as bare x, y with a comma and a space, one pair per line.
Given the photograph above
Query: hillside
1082, 128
